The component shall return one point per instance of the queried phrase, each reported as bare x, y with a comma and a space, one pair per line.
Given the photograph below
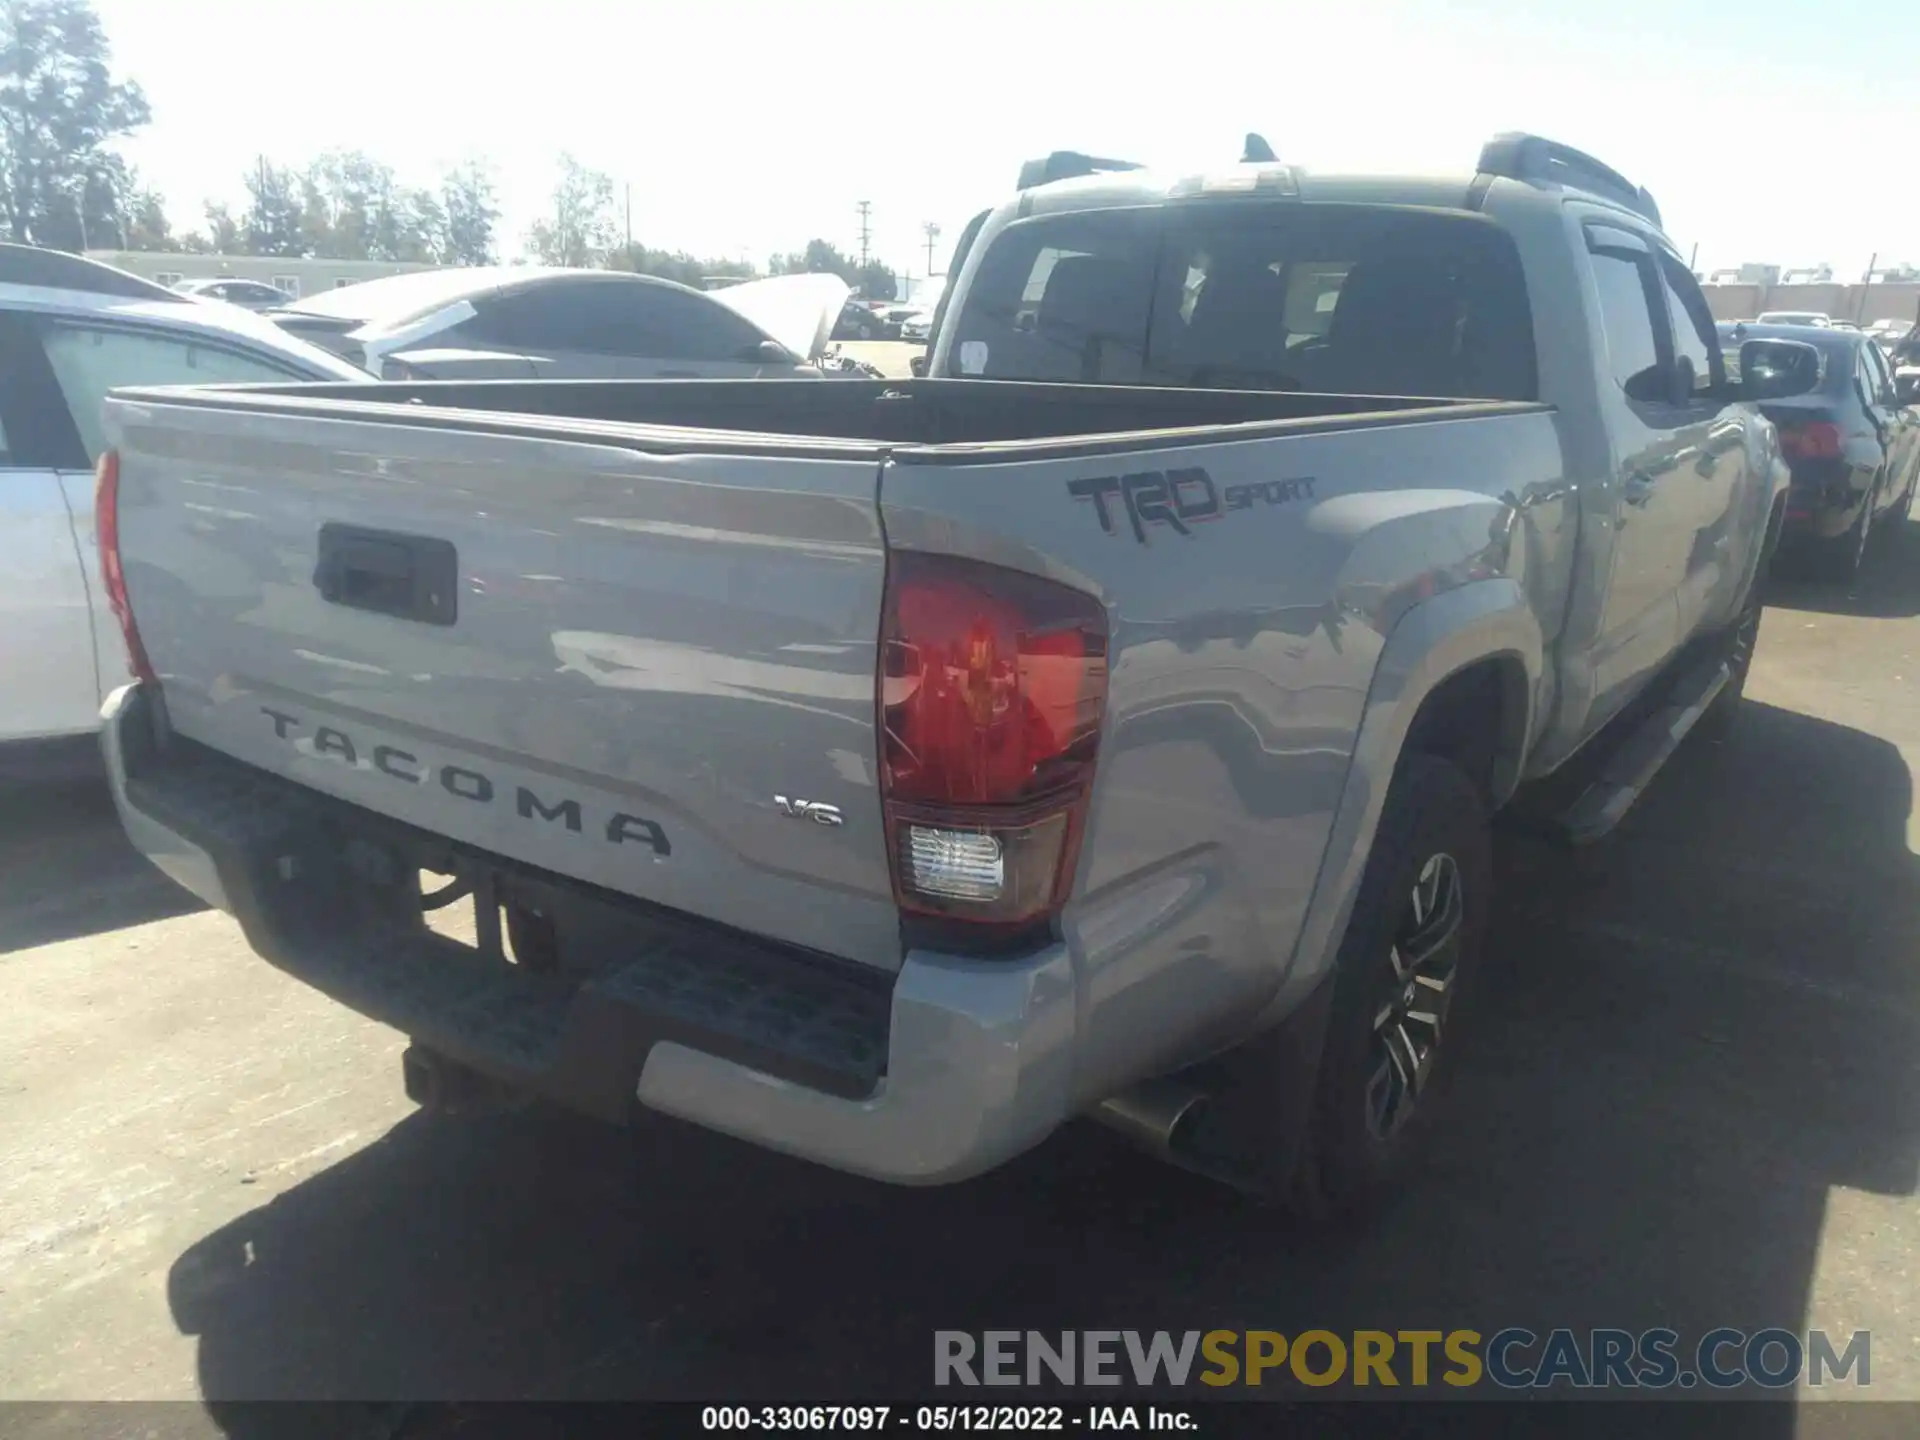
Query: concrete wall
296, 277
1862, 304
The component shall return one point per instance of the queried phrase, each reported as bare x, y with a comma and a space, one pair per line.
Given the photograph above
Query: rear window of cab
1346, 299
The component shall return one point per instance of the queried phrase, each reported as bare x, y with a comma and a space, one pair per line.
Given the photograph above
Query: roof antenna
1258, 152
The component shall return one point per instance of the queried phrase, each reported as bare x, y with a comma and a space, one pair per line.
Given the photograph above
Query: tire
1384, 1066
863, 331
1717, 723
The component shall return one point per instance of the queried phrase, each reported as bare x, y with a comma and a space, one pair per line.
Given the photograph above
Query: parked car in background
1888, 334
861, 321
72, 329
1795, 317
917, 327
555, 324
1852, 445
247, 294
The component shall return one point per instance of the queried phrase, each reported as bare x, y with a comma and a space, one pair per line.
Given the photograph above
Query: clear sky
1767, 131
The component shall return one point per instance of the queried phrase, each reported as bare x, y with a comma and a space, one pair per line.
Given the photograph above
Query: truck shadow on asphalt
67, 869
1685, 1039
1888, 587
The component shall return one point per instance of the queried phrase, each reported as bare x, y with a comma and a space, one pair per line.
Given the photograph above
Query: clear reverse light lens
959, 864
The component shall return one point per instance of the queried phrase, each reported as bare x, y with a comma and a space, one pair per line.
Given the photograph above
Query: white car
917, 327
71, 330
247, 294
1796, 317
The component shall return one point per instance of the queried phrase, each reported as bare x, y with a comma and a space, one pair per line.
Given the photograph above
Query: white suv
72, 329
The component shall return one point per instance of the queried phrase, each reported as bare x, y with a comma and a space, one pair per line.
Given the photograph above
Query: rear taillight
1816, 440
993, 684
106, 525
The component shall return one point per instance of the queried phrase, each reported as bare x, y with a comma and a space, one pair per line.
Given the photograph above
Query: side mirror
1906, 387
770, 352
1776, 369
918, 365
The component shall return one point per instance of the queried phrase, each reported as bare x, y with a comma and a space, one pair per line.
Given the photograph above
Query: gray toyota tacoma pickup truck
1106, 724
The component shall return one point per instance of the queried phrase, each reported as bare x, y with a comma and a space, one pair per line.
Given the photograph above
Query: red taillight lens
1814, 441
106, 526
992, 688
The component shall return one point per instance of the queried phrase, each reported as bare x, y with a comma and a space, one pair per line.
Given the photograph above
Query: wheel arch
1443, 663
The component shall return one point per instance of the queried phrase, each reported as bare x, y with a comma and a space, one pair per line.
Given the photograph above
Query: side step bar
1631, 768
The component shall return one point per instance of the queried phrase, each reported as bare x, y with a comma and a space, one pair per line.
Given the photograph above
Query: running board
1631, 768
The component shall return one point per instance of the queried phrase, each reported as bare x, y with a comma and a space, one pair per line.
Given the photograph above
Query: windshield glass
1350, 299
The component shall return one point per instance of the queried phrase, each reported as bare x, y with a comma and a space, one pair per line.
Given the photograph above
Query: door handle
1638, 490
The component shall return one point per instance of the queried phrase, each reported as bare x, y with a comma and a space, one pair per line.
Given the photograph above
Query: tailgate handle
411, 577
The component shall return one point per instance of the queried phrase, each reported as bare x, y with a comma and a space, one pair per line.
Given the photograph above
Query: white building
294, 277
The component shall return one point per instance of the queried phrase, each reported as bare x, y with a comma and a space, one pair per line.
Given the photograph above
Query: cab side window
1694, 335
1630, 319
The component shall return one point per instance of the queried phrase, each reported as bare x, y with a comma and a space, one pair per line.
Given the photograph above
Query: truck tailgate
650, 671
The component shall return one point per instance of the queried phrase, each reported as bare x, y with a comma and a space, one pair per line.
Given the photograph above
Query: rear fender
1436, 639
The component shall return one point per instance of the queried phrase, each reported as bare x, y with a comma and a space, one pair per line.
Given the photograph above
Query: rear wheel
1741, 642
1413, 942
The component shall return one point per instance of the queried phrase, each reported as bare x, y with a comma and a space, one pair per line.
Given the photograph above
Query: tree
59, 109
819, 258
274, 221
580, 231
352, 208
419, 228
876, 281
351, 191
223, 232
471, 211
147, 225
873, 280
676, 265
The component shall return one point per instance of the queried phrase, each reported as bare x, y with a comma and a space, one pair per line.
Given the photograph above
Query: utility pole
865, 207
1860, 310
629, 196
1693, 260
931, 230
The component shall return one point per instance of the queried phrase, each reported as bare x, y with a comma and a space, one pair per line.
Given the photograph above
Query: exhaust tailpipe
440, 1085
1157, 1115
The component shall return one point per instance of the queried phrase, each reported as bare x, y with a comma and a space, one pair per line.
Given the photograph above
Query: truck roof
1152, 187
1545, 165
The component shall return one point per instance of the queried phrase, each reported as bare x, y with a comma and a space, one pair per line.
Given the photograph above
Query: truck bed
758, 415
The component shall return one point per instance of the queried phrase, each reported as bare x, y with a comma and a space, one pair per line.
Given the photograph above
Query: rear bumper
932, 1075
1822, 503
